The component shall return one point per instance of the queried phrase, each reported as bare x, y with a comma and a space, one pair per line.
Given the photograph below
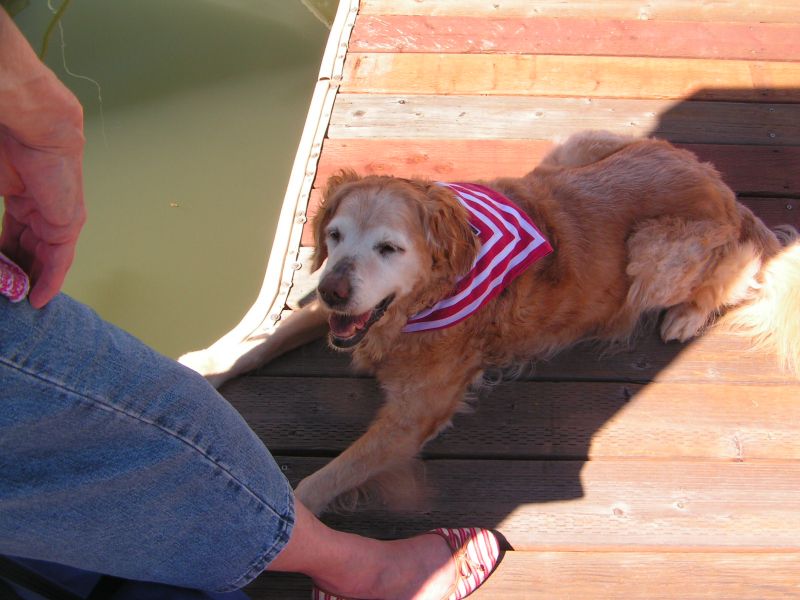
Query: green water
187, 156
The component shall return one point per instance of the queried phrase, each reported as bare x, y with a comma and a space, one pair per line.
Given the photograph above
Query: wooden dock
663, 471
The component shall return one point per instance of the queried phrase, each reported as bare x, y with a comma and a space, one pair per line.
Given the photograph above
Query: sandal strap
475, 552
318, 593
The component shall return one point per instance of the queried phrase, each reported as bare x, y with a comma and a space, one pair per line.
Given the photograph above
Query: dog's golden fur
638, 226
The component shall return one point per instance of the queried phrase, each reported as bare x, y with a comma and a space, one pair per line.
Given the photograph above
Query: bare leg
224, 361
418, 568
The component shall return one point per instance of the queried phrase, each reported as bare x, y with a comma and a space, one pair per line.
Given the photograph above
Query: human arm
41, 151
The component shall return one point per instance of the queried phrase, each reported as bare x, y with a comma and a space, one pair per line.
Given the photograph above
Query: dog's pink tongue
345, 326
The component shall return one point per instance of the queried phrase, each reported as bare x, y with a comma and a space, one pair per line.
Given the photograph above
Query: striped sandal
475, 552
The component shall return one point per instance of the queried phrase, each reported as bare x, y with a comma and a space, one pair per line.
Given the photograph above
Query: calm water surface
187, 156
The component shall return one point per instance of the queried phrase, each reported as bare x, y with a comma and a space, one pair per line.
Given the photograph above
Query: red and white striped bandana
510, 242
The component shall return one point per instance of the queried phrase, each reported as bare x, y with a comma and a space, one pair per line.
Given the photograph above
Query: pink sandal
14, 282
475, 552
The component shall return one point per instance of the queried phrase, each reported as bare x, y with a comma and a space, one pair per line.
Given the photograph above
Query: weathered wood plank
535, 420
518, 117
777, 11
448, 160
713, 357
752, 170
568, 76
599, 505
632, 575
578, 36
644, 576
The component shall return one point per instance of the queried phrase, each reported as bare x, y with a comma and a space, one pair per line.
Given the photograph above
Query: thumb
49, 272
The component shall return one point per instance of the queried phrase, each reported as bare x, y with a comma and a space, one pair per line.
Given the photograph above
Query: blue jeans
118, 460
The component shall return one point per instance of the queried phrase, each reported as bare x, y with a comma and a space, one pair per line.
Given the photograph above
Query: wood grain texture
534, 420
598, 505
568, 76
713, 357
644, 576
520, 117
777, 11
577, 36
750, 170
612, 575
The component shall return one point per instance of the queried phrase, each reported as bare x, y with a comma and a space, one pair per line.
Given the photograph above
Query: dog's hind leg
585, 148
691, 267
725, 285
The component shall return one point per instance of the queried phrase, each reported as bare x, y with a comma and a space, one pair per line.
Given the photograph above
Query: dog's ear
450, 239
335, 190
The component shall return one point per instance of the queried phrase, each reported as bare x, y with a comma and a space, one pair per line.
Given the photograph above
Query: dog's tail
771, 314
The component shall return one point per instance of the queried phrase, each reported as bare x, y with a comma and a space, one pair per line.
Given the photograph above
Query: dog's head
391, 245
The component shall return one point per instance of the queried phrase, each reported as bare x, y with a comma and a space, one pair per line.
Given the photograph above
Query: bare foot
418, 568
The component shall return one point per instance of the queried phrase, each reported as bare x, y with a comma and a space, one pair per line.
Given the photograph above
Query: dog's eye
386, 249
334, 235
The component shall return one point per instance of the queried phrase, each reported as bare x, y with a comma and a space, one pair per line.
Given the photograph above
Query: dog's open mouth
348, 330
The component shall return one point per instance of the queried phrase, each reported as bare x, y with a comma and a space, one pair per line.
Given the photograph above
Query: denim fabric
118, 460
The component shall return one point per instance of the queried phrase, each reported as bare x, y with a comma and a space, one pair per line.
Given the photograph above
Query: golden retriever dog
636, 227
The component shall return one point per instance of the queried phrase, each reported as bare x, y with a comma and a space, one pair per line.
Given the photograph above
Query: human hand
41, 181
44, 211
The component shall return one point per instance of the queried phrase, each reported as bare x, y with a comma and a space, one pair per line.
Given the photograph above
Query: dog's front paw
208, 365
201, 361
310, 493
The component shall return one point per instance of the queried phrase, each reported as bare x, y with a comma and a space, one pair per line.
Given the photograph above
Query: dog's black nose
334, 291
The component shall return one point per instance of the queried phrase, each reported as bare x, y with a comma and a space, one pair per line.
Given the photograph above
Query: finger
28, 245
9, 237
49, 271
46, 287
